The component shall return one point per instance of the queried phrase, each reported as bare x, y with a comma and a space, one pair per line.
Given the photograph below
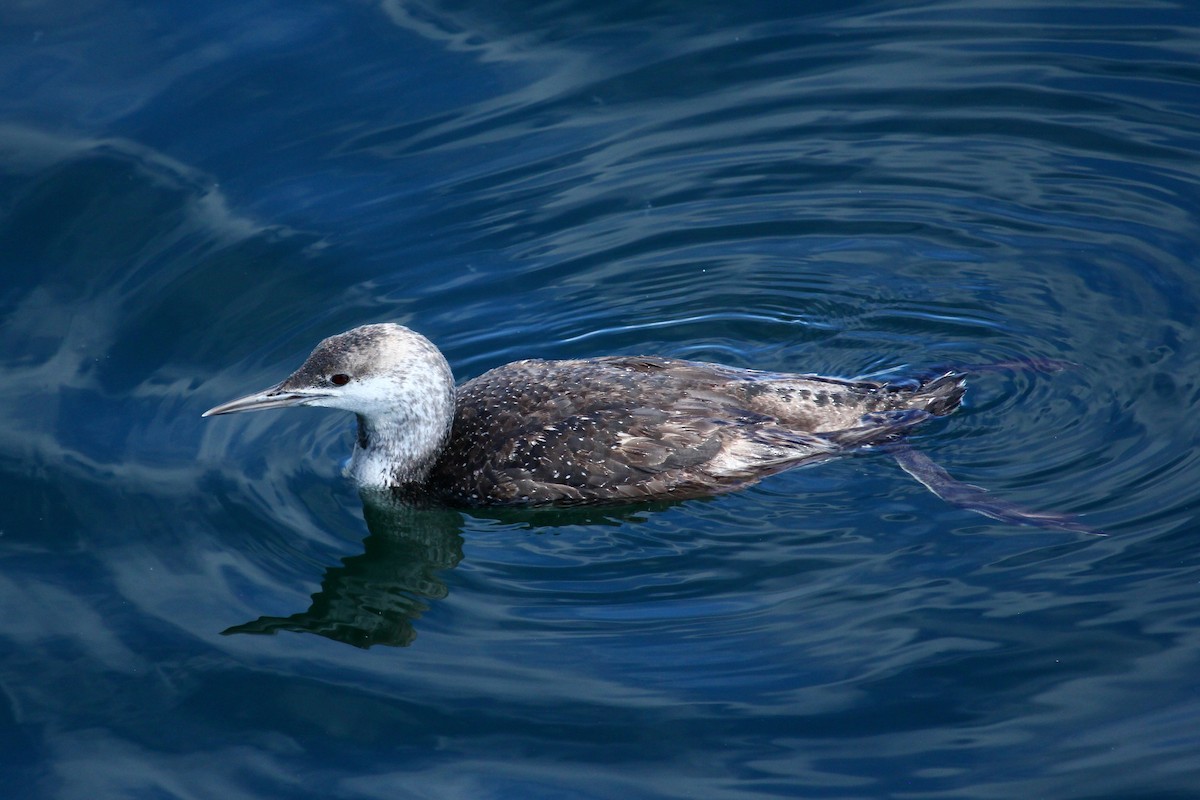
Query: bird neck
399, 448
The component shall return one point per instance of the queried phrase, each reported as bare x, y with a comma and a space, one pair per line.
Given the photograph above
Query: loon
611, 429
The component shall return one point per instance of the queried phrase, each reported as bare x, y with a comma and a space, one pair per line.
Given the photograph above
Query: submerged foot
974, 498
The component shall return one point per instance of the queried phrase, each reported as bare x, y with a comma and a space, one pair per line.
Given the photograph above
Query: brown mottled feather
626, 428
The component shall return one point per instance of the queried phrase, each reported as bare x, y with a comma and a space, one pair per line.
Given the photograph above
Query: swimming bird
620, 428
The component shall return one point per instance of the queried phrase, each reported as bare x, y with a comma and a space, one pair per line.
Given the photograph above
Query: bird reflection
375, 597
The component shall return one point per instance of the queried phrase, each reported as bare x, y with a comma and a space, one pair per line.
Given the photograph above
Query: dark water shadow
374, 597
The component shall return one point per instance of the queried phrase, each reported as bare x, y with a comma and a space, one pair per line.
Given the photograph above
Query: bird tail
941, 395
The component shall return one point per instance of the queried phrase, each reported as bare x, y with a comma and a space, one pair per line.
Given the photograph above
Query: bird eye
341, 379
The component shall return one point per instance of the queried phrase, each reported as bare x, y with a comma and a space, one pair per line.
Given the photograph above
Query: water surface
192, 196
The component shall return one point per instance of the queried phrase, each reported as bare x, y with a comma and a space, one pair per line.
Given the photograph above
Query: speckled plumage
585, 431
628, 428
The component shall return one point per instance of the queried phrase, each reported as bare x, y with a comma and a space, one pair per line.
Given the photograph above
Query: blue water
193, 194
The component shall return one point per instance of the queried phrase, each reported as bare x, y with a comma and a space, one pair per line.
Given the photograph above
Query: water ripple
861, 190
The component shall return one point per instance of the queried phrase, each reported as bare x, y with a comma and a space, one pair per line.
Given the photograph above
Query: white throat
402, 434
